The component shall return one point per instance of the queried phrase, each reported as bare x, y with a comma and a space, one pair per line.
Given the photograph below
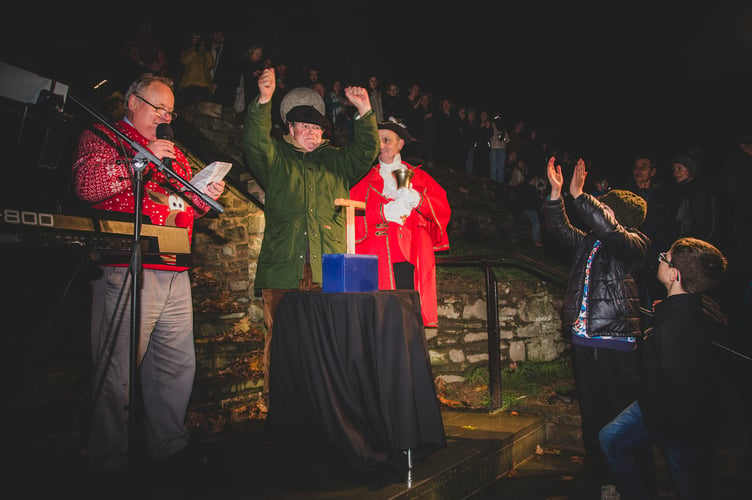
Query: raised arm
555, 178
358, 96
267, 83
577, 183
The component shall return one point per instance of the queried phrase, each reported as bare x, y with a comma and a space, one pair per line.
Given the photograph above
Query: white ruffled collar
390, 183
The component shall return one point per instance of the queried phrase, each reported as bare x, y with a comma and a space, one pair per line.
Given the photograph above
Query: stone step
563, 424
480, 448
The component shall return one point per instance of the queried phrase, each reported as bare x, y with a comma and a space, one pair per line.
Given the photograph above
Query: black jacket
614, 305
678, 386
693, 206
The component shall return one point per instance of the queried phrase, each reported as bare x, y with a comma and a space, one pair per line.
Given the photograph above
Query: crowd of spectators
690, 195
222, 67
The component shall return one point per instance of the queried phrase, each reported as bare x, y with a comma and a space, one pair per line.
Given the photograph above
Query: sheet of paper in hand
213, 172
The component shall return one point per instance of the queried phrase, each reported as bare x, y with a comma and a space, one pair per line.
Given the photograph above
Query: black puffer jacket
614, 305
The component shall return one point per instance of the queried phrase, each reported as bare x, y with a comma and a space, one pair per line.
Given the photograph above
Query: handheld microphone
164, 131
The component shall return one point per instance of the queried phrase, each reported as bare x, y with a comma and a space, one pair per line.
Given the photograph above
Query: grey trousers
166, 361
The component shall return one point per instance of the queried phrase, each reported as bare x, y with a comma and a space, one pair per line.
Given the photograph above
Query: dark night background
602, 82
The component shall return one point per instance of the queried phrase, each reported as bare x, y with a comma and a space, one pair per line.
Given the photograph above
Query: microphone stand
140, 161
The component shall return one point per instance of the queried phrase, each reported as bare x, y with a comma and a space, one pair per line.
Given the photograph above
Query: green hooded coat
300, 188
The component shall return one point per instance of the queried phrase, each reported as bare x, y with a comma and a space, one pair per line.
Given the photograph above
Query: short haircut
644, 156
700, 264
144, 81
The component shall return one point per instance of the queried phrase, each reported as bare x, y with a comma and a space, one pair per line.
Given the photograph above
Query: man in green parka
302, 174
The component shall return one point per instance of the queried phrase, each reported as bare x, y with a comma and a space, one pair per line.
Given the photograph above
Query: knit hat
692, 160
629, 208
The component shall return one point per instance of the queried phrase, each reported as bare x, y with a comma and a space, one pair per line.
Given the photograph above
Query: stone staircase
480, 448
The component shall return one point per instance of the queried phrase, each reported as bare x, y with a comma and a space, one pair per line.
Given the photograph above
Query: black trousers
606, 382
404, 275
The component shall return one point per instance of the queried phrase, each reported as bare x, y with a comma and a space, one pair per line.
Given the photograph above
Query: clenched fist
358, 96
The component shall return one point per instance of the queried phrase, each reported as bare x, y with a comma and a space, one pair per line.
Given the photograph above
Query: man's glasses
160, 111
662, 257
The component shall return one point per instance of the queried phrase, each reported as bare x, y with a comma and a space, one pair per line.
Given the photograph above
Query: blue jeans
496, 160
535, 226
470, 161
690, 467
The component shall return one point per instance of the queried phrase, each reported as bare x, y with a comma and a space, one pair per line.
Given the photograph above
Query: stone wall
529, 325
228, 313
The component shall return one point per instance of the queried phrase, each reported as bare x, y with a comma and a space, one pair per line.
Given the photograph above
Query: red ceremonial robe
415, 241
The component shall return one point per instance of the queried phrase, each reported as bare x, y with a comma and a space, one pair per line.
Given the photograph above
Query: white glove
410, 196
407, 199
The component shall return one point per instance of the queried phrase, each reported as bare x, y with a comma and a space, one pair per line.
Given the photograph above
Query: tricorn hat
398, 127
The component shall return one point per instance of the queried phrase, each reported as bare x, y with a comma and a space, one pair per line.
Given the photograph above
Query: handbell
403, 176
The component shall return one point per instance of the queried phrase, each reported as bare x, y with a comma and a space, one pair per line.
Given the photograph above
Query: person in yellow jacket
196, 80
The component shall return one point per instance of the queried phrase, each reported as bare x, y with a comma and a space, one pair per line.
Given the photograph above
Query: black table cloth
352, 370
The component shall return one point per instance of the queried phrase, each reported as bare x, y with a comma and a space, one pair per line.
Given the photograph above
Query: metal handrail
487, 263
523, 262
504, 260
719, 345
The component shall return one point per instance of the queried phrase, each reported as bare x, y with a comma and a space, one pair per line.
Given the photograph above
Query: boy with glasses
675, 405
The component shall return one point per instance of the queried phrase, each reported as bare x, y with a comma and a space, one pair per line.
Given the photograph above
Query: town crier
403, 225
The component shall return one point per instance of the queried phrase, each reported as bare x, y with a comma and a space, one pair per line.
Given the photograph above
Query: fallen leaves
546, 451
441, 394
206, 424
450, 402
221, 302
241, 331
247, 365
210, 426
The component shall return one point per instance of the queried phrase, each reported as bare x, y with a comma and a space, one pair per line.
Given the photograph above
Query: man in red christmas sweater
404, 226
103, 176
